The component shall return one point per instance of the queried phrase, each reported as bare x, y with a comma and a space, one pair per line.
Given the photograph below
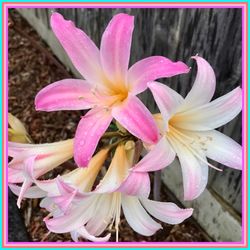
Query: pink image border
243, 243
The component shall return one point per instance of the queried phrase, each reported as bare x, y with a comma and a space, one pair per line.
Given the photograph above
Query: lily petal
166, 99
203, 87
98, 223
167, 212
17, 131
159, 157
82, 232
213, 114
89, 130
32, 192
84, 178
80, 48
137, 184
73, 220
117, 172
223, 149
136, 118
64, 201
50, 206
48, 186
194, 171
25, 186
68, 94
15, 175
28, 166
152, 68
48, 155
21, 151
137, 217
115, 47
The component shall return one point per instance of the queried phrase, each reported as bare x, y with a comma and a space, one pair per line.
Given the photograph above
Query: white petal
222, 149
82, 232
167, 99
32, 192
194, 171
98, 223
75, 218
137, 217
211, 115
49, 186
203, 87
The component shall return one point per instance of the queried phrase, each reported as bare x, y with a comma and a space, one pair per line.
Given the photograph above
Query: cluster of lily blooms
89, 199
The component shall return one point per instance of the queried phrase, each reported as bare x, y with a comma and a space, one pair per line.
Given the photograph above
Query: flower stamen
177, 136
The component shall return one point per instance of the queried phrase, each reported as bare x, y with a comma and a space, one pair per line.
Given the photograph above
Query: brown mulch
30, 69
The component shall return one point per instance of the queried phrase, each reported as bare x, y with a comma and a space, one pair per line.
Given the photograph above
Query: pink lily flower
97, 212
27, 173
115, 178
109, 88
40, 158
88, 214
187, 129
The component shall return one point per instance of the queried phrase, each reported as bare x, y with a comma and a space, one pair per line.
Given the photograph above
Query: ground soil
32, 66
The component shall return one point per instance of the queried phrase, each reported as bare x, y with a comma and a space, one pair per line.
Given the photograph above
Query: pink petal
64, 192
68, 94
136, 118
137, 217
194, 171
48, 155
63, 187
166, 211
28, 166
166, 99
159, 157
137, 184
64, 201
25, 186
203, 87
80, 48
213, 114
222, 149
88, 132
152, 68
115, 47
